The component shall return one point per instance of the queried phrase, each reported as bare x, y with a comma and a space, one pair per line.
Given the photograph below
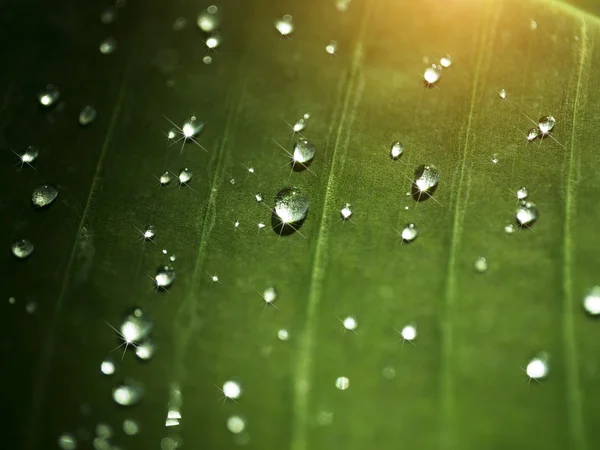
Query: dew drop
346, 211
165, 276
284, 26
149, 232
127, 394
533, 134
446, 61
130, 427
108, 46
350, 323
30, 307
44, 195
30, 155
591, 302
342, 383
481, 264
136, 326
172, 258
22, 248
232, 390
409, 333
192, 128
426, 180
185, 175
259, 197
331, 48
522, 193
409, 232
87, 115
432, 75
546, 124
145, 350
527, 214
283, 334
291, 206
107, 367
49, 96
396, 150
270, 295
502, 94
165, 179
108, 16
300, 125
66, 441
214, 40
261, 225
236, 424
537, 368
180, 23
208, 21
304, 152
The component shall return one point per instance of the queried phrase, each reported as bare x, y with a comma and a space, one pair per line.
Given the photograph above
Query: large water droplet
128, 393
527, 214
44, 195
396, 150
22, 248
425, 182
208, 21
104, 430
87, 115
342, 383
285, 26
291, 206
546, 124
432, 75
165, 276
185, 175
304, 152
409, 232
108, 46
270, 295
136, 326
591, 302
236, 424
49, 96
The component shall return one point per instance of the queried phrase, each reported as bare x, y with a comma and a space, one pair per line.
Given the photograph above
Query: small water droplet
261, 225
396, 150
432, 75
179, 24
145, 350
232, 389
409, 333
108, 46
44, 195
509, 228
185, 175
481, 264
502, 94
130, 427
426, 181
304, 152
270, 295
192, 128
214, 40
522, 193
30, 154
207, 59
102, 444
22, 248
300, 125
389, 373
350, 323
537, 368
409, 232
87, 115
49, 95
533, 134
208, 21
446, 61
546, 124
495, 158
30, 307
128, 393
259, 197
342, 383
165, 251
232, 181
165, 276
109, 15
107, 367
165, 178
172, 258
236, 424
325, 418
346, 211
136, 326
533, 25
591, 302
283, 334
12, 300
104, 430
168, 443
527, 214
342, 5
331, 48
236, 224
67, 441
291, 206
285, 26
149, 232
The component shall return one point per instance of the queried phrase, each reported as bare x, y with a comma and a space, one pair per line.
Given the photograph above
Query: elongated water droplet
426, 181
87, 115
591, 302
109, 15
346, 211
481, 264
285, 26
291, 206
108, 46
432, 75
136, 326
522, 193
208, 21
446, 61
533, 134
185, 175
236, 424
331, 48
214, 40
22, 248
44, 195
49, 95
396, 150
546, 124
342, 383
192, 128
409, 232
527, 214
304, 151
128, 393
165, 276
165, 178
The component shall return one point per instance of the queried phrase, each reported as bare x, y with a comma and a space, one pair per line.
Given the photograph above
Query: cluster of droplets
209, 22
543, 129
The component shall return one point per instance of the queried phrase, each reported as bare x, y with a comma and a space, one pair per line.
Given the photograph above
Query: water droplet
432, 75
232, 181
44, 195
283, 334
145, 350
136, 326
232, 390
331, 48
291, 206
591, 302
66, 441
527, 214
495, 158
165, 251
208, 21
104, 430
409, 232
22, 248
180, 23
350, 323
546, 124
533, 25
165, 276
30, 307
300, 125
168, 443
533, 134
409, 333
87, 115
342, 383
108, 46
259, 197
30, 155
172, 258
102, 444
236, 424
502, 94
285, 26
270, 295
446, 61
425, 181
149, 232
509, 228
214, 40
185, 175
537, 368
192, 128
12, 300
165, 179
127, 394
49, 96
522, 193
346, 211
342, 5
396, 150
236, 224
325, 418
261, 225
130, 427
481, 264
107, 367
214, 278
108, 16
207, 59
304, 152
389, 373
